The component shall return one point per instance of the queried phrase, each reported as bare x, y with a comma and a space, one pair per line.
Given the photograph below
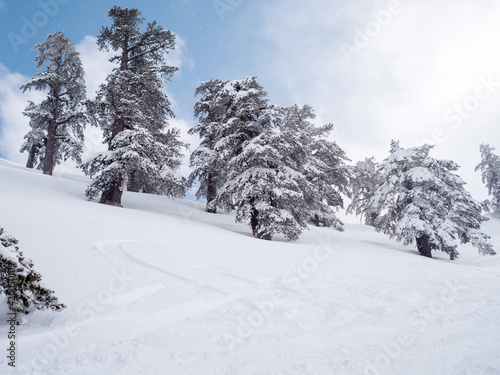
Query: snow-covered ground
161, 287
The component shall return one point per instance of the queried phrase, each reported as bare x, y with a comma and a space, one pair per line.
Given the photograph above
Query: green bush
20, 282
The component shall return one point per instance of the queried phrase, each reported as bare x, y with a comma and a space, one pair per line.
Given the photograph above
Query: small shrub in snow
20, 282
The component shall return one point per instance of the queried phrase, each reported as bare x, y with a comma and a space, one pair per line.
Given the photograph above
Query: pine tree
330, 178
208, 166
323, 164
490, 172
132, 109
420, 200
20, 283
281, 179
271, 195
230, 114
363, 184
57, 123
34, 143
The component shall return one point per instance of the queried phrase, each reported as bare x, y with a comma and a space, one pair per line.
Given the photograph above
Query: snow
420, 174
161, 287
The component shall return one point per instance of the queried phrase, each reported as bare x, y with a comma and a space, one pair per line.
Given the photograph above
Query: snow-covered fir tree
268, 192
57, 123
279, 181
323, 164
20, 283
320, 160
420, 200
208, 168
246, 141
132, 109
230, 114
365, 178
490, 173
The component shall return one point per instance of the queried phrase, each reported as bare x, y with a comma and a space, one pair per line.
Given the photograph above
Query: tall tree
490, 173
57, 123
281, 179
323, 164
420, 200
272, 196
132, 109
207, 166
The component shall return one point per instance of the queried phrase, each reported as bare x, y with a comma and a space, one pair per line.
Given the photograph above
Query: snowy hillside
161, 287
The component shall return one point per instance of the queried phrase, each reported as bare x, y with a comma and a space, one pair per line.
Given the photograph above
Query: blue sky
414, 71
215, 33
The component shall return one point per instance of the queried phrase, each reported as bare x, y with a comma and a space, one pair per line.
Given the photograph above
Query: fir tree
20, 283
419, 199
270, 193
322, 162
208, 168
281, 179
132, 110
230, 114
364, 181
57, 123
490, 172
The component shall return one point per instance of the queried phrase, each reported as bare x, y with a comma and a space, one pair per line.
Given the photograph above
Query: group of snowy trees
280, 172
417, 199
131, 108
270, 163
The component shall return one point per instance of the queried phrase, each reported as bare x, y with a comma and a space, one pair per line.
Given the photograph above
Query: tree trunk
133, 184
266, 237
50, 148
423, 246
254, 221
118, 126
112, 196
316, 220
370, 218
50, 143
211, 194
31, 156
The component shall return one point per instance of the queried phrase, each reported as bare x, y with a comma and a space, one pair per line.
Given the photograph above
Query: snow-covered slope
161, 287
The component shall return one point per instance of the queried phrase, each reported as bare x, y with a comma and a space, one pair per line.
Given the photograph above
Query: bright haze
417, 72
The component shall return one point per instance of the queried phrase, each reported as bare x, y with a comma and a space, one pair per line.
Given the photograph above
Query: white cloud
191, 140
95, 63
427, 58
12, 104
179, 56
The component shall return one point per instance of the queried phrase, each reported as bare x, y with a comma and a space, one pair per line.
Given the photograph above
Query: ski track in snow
161, 287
